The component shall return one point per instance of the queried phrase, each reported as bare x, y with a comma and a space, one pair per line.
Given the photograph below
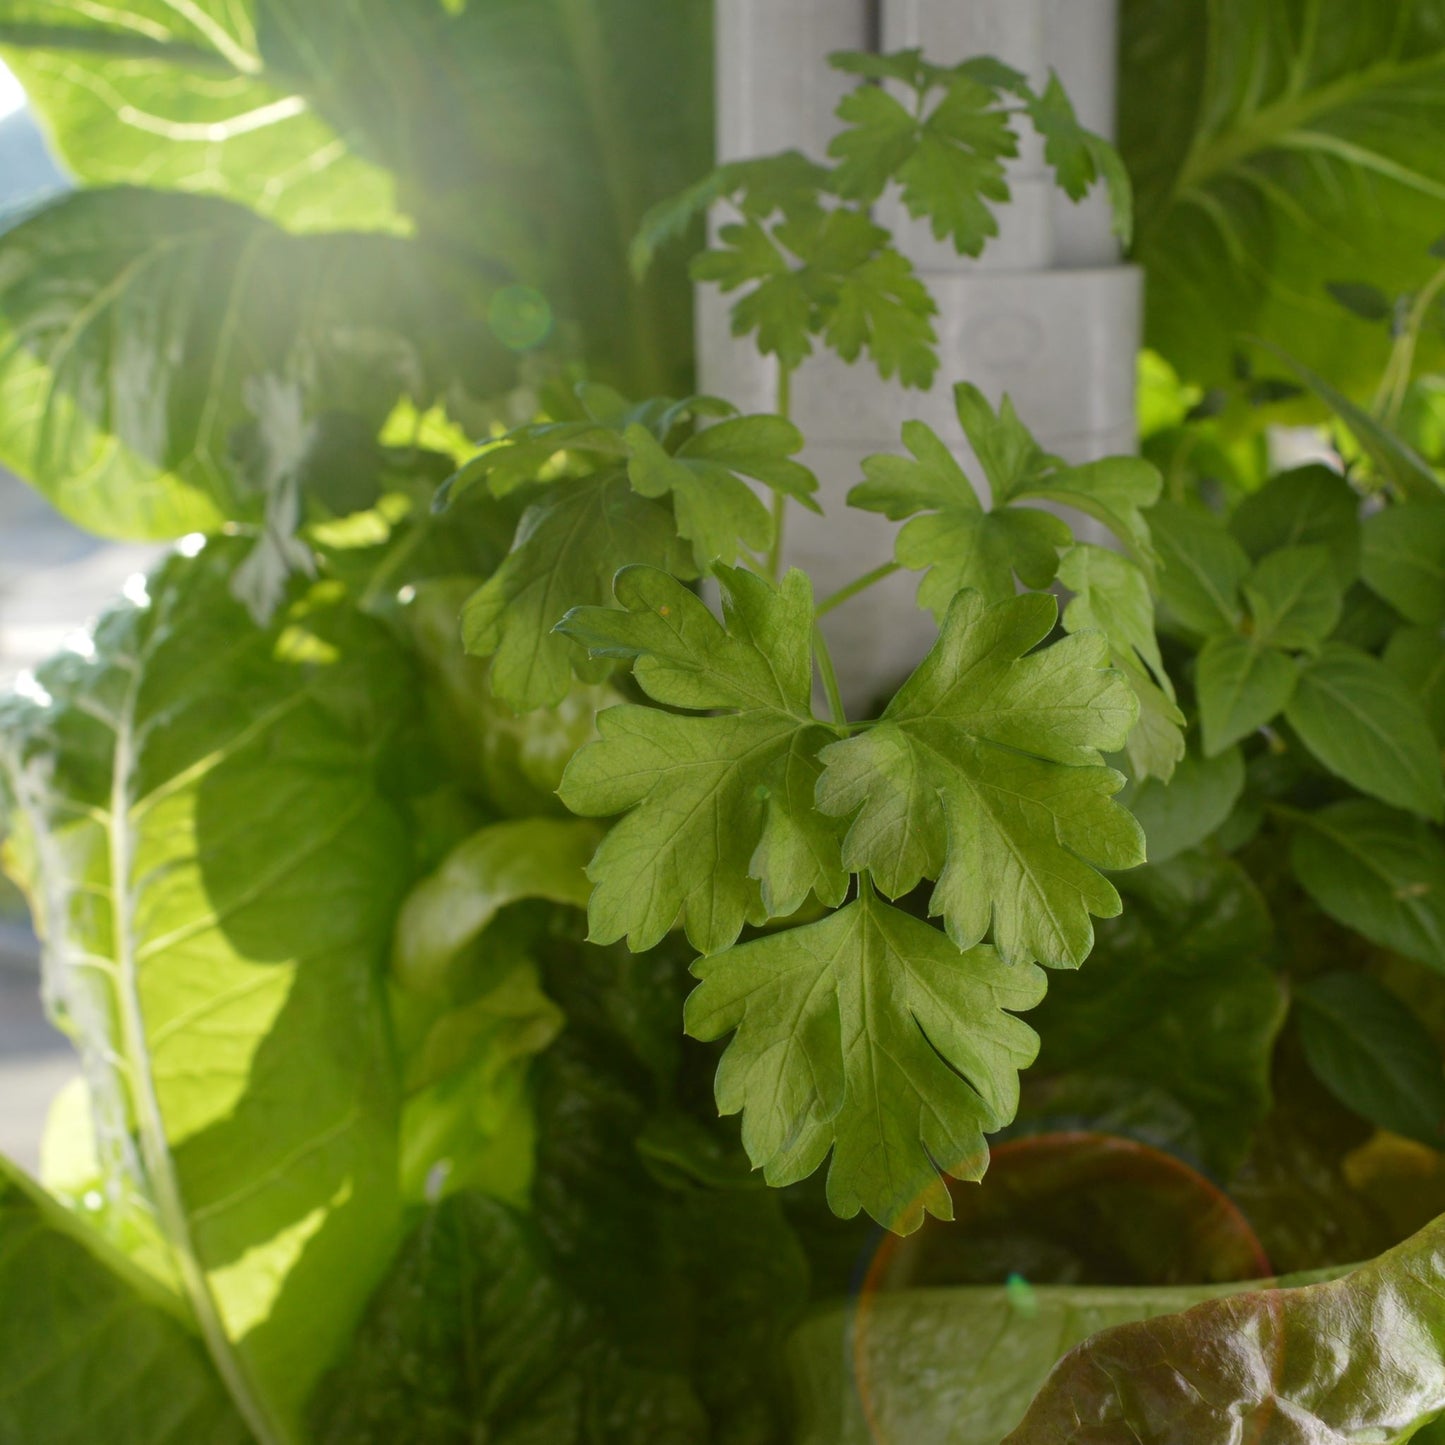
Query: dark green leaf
1203, 567
1305, 506
1404, 560
1181, 813
1242, 685
1294, 597
1369, 303
1373, 1054
90, 1347
1079, 157
1366, 726
1276, 148
1417, 654
1178, 994
1377, 871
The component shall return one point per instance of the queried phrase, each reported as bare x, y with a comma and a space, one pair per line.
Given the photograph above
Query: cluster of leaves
814, 262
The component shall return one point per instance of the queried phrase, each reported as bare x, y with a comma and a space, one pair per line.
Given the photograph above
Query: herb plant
450, 840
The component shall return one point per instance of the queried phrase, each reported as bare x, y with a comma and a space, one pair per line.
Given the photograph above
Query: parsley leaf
569, 545
719, 826
948, 162
985, 775
716, 511
957, 544
1079, 157
869, 1034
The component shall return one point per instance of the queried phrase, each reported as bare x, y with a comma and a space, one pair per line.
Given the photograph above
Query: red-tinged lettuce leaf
1359, 1358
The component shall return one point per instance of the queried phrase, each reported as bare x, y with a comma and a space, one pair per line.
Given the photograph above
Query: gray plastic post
1046, 315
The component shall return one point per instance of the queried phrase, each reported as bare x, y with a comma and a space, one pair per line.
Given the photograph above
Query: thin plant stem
780, 500
1395, 384
846, 594
829, 674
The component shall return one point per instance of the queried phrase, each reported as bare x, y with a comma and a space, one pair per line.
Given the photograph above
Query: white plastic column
1048, 314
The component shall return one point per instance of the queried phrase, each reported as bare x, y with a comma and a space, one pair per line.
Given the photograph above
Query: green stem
829, 674
780, 500
1395, 383
846, 594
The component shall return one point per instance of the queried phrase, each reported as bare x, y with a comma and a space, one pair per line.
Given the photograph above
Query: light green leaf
89, 1346
200, 825
1203, 567
1404, 560
1374, 1055
1307, 506
703, 838
1011, 459
1417, 654
1179, 994
869, 1034
182, 96
1111, 595
1366, 726
1114, 491
716, 510
1377, 871
501, 864
1156, 742
1181, 812
570, 544
1358, 1356
1278, 148
1242, 685
984, 775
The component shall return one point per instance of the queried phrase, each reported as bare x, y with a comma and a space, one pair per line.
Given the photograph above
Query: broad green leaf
1278, 148
720, 827
1181, 812
869, 1034
1417, 654
1377, 871
91, 1348
182, 96
985, 775
1179, 994
1353, 1358
570, 544
1294, 597
214, 868
1113, 490
1366, 726
1404, 560
1242, 685
143, 336
1307, 506
716, 510
1203, 567
501, 864
1373, 1054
